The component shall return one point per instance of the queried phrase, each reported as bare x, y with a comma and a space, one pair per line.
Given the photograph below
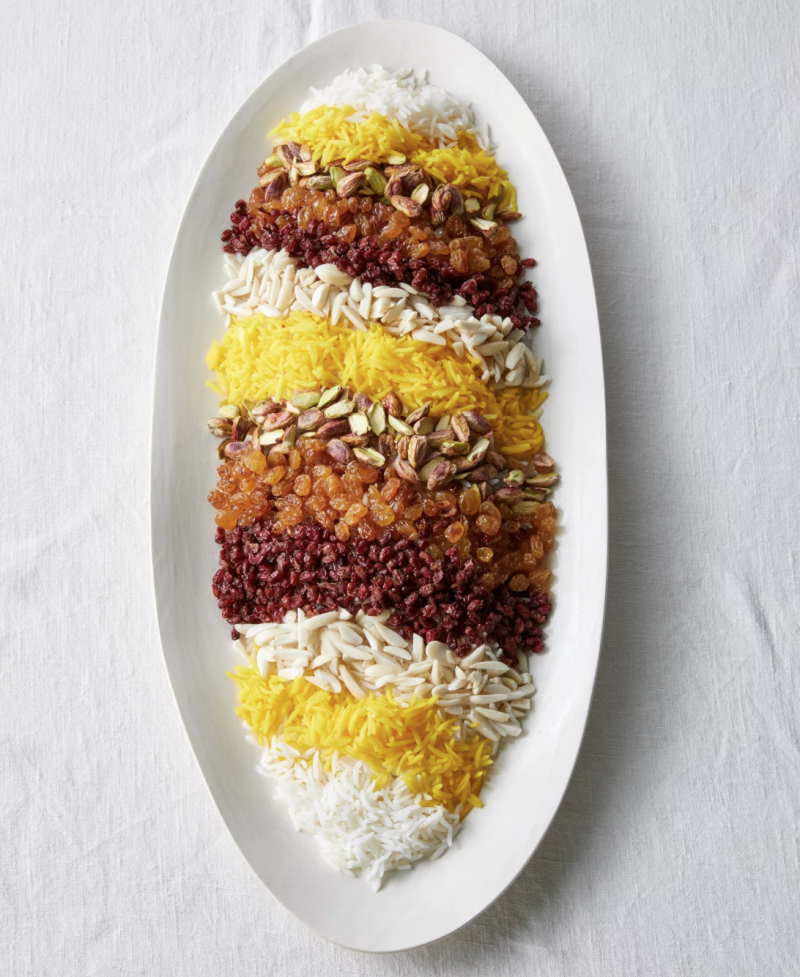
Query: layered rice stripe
259, 358
414, 741
331, 135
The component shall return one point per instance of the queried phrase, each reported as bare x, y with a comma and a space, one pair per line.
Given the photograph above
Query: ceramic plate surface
531, 775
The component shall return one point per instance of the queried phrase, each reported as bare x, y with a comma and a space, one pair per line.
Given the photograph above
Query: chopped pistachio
340, 409
305, 399
400, 426
370, 456
420, 193
359, 423
328, 396
375, 180
524, 508
377, 418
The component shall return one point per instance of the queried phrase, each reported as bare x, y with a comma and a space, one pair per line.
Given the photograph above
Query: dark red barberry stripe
263, 575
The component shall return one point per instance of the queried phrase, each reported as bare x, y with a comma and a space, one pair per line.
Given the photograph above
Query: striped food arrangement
382, 501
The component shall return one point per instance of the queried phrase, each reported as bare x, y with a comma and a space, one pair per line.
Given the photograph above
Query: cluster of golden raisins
358, 216
360, 501
508, 547
305, 481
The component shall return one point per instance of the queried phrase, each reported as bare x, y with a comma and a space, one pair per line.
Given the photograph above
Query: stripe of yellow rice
412, 742
261, 358
330, 135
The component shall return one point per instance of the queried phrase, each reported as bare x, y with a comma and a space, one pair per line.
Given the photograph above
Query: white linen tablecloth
676, 849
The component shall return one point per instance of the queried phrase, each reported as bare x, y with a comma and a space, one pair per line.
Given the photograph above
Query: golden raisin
274, 475
218, 499
454, 532
390, 489
256, 461
477, 261
463, 548
488, 508
485, 554
469, 501
225, 519
413, 512
332, 485
366, 530
381, 515
546, 511
459, 260
302, 485
364, 471
514, 561
407, 529
292, 516
309, 447
548, 540
324, 519
351, 484
342, 531
540, 578
320, 471
487, 524
355, 514
519, 582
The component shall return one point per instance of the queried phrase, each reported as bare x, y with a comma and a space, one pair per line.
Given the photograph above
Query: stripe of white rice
421, 107
358, 828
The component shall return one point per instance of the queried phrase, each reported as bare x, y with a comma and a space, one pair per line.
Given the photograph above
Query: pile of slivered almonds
384, 537
337, 650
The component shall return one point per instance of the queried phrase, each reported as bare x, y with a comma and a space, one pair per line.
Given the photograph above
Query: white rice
359, 829
362, 830
423, 108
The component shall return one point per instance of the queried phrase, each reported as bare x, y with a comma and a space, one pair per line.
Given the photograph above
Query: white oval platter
531, 775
